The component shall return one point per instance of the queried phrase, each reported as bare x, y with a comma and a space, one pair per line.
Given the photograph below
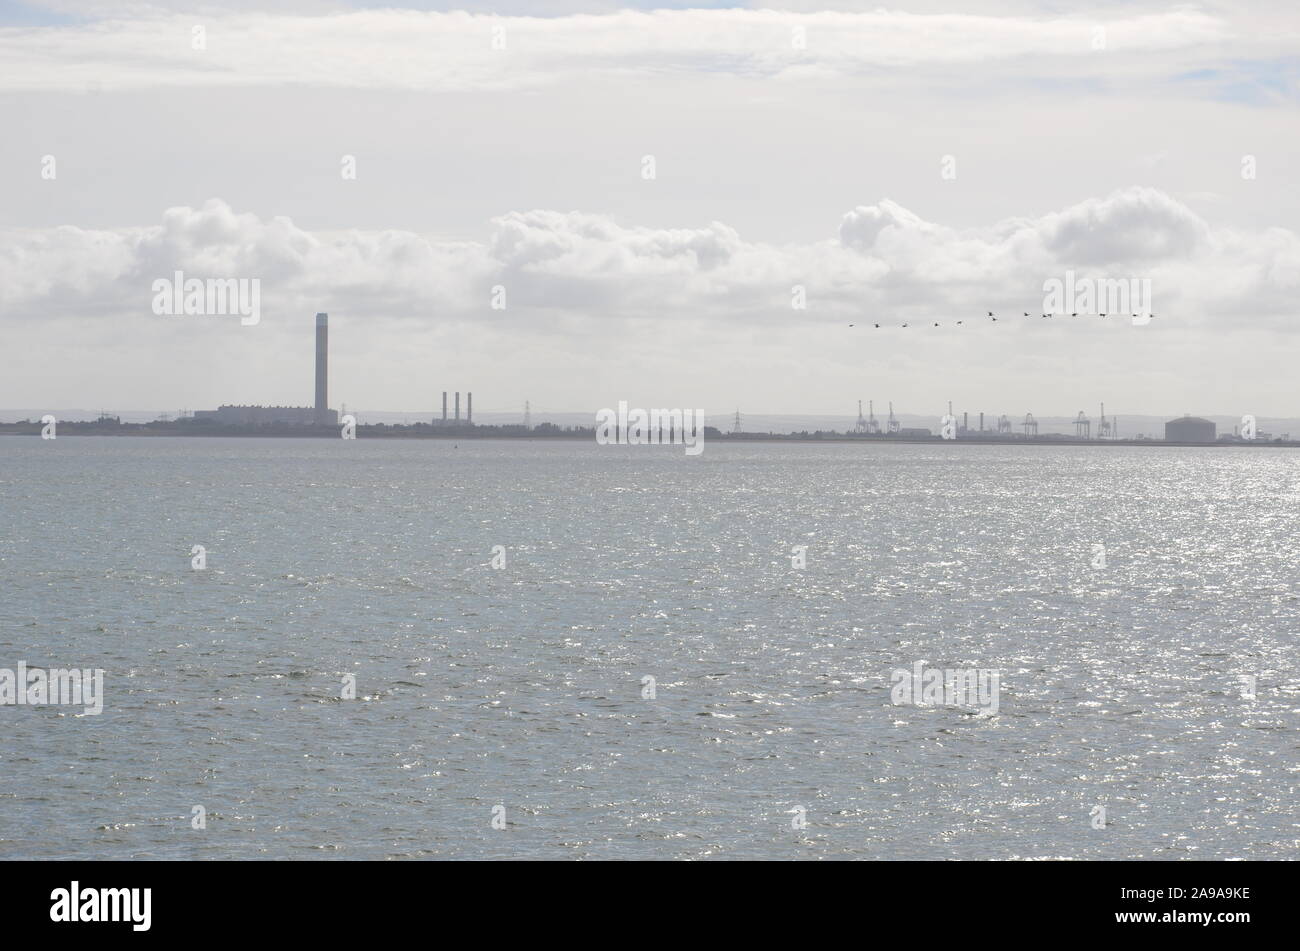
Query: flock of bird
1027, 314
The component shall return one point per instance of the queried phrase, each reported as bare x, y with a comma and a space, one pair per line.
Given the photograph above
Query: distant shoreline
546, 431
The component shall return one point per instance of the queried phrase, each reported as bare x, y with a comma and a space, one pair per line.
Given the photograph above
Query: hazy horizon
1129, 427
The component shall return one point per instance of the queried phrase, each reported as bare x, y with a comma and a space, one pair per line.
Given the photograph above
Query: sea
552, 649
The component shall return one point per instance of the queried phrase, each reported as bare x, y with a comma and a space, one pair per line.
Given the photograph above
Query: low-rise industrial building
267, 416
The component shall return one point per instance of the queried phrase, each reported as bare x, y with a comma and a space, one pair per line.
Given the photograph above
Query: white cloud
451, 51
886, 259
1136, 227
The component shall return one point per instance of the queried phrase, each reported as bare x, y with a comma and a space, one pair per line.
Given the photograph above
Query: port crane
1106, 427
1082, 426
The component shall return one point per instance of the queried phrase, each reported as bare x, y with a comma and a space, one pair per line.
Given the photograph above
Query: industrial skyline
256, 414
1186, 429
319, 414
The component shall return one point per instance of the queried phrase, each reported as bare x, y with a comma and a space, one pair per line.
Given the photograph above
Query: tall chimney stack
444, 406
469, 409
322, 367
458, 406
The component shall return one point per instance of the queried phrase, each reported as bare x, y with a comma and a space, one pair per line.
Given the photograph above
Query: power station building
258, 415
318, 415
456, 420
1190, 429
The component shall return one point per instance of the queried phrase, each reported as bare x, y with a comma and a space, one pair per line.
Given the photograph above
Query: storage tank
1189, 429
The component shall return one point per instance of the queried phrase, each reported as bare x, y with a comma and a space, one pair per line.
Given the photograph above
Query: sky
678, 205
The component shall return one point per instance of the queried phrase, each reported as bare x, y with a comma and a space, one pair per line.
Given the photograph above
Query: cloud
886, 261
581, 245
863, 225
1136, 226
456, 51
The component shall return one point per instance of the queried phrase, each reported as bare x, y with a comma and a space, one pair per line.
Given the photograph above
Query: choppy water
522, 687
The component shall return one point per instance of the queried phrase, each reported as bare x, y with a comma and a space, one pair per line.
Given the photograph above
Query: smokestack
981, 422
322, 367
444, 406
458, 406
469, 408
